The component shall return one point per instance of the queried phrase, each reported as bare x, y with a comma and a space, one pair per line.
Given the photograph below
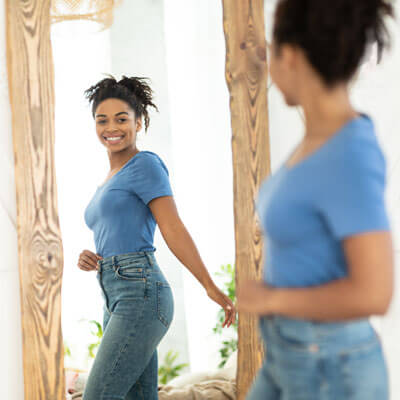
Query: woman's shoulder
147, 159
359, 145
357, 157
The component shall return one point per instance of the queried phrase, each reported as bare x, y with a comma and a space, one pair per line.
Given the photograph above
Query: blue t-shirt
306, 210
119, 215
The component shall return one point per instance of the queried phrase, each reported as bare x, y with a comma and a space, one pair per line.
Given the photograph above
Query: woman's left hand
214, 293
253, 297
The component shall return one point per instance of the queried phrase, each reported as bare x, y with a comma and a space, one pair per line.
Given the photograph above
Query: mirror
181, 48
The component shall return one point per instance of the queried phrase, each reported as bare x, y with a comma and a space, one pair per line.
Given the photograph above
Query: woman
329, 255
123, 213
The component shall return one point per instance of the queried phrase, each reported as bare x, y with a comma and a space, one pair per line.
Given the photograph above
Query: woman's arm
181, 244
366, 291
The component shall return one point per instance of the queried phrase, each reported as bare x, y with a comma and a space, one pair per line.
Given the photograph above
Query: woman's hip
131, 274
318, 337
132, 284
342, 359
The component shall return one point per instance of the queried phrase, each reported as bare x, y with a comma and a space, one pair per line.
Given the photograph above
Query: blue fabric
138, 311
306, 210
119, 214
320, 361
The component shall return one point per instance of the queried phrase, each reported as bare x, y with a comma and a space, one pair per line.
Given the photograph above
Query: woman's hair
134, 91
334, 34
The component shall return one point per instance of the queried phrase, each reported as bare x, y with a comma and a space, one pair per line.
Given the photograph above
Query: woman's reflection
123, 213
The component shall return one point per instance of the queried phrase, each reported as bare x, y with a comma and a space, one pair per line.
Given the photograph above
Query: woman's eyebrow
103, 115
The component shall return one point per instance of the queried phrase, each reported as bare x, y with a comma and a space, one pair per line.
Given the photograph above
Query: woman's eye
101, 121
122, 119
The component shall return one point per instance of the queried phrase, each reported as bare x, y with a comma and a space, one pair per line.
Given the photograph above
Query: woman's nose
111, 128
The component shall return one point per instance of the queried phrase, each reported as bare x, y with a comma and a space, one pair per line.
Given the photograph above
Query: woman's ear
139, 124
289, 56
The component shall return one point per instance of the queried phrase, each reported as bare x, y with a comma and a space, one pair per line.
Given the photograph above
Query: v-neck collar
329, 141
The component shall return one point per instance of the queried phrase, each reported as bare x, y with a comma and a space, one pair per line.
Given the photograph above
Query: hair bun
139, 88
373, 14
334, 35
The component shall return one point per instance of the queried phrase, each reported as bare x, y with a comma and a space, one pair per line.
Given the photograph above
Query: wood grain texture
247, 76
40, 255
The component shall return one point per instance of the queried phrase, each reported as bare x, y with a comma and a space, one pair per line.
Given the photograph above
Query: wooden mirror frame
247, 78
40, 252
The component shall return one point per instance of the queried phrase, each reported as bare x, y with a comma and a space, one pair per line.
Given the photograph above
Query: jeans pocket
165, 303
293, 336
363, 372
130, 272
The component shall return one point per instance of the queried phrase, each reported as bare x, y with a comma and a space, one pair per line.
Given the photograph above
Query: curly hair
335, 34
133, 90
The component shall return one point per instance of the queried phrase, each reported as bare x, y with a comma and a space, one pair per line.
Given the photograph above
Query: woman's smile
114, 139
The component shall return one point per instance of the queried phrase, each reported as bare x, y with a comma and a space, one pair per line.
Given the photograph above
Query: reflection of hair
334, 34
134, 91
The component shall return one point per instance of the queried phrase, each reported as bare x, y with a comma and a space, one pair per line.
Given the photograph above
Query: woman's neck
326, 111
118, 159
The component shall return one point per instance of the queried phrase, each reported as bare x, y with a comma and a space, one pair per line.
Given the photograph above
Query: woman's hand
225, 302
88, 260
254, 297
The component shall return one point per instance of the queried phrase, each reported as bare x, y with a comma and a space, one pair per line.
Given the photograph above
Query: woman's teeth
114, 139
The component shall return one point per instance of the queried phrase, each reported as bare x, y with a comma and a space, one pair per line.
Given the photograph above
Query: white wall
11, 376
201, 139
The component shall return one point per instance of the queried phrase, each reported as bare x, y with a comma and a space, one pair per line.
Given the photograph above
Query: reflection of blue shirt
118, 213
306, 210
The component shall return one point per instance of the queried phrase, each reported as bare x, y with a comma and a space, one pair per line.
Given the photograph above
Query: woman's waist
334, 334
140, 258
129, 268
107, 248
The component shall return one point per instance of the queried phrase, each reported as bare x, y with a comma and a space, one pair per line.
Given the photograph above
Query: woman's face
284, 72
116, 124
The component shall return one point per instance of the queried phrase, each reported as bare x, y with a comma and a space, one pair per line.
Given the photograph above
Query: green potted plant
168, 370
97, 332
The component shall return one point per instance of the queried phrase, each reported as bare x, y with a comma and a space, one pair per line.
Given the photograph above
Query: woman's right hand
88, 260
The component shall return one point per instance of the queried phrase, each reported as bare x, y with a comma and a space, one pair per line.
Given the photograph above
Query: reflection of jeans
320, 361
138, 310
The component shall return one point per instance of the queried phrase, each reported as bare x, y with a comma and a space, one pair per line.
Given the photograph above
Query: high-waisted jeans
320, 361
138, 310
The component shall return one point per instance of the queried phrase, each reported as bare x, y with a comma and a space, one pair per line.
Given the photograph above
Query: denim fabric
320, 361
138, 310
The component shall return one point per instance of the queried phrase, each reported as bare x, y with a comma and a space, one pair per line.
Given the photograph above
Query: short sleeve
149, 177
352, 196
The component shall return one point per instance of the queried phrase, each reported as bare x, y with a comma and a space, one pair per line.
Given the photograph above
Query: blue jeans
320, 361
138, 310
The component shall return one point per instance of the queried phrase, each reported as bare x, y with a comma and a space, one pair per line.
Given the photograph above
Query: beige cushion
226, 373
206, 390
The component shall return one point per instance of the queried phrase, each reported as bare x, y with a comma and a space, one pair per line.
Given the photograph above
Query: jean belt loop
113, 262
148, 256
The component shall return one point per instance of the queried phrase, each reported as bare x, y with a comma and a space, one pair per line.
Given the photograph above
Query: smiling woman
118, 108
123, 214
